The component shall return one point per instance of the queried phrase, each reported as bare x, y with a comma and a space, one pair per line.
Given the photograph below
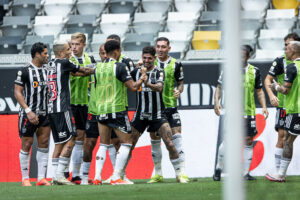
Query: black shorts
63, 128
280, 118
153, 125
117, 120
113, 134
250, 126
26, 128
173, 117
80, 115
91, 128
292, 124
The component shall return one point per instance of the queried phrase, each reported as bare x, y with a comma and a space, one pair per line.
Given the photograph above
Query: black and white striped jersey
149, 103
58, 75
34, 81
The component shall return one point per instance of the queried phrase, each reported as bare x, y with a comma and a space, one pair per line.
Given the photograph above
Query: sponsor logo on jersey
36, 84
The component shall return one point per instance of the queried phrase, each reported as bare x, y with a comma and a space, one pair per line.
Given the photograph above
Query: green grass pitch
202, 188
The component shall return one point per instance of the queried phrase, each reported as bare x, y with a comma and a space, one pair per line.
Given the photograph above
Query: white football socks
284, 164
220, 158
156, 156
248, 153
63, 163
85, 173
24, 162
121, 160
77, 154
54, 166
112, 154
177, 140
42, 162
100, 160
278, 156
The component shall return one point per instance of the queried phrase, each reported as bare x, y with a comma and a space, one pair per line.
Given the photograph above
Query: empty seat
67, 37
268, 54
181, 21
98, 39
251, 20
248, 37
123, 6
48, 25
278, 19
210, 20
204, 54
156, 5
178, 40
114, 23
91, 7
81, 23
205, 40
58, 7
214, 5
147, 22
25, 7
272, 39
259, 5
31, 39
136, 42
193, 6
16, 26
10, 45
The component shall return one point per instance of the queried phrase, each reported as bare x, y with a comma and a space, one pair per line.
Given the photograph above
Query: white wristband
27, 110
276, 87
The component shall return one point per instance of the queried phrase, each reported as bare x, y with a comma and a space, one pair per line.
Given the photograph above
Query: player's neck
163, 59
36, 63
78, 55
150, 68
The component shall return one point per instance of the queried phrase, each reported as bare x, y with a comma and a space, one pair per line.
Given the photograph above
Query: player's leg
89, 144
26, 131
80, 115
279, 127
219, 159
42, 134
55, 158
156, 157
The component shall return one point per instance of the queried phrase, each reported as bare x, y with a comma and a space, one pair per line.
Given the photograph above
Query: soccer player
173, 76
111, 78
92, 132
30, 90
277, 70
252, 84
79, 100
150, 108
290, 88
59, 110
115, 142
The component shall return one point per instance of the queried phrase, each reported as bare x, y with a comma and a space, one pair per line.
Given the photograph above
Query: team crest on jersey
19, 73
274, 63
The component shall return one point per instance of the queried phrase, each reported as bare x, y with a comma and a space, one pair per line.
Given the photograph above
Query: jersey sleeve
93, 60
160, 76
69, 66
179, 76
291, 73
122, 72
277, 67
133, 73
22, 77
220, 79
129, 63
258, 81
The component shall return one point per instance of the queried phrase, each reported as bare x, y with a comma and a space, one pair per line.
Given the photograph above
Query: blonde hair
58, 46
80, 36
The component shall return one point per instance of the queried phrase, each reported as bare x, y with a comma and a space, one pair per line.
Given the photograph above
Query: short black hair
114, 37
111, 45
37, 48
163, 39
293, 36
150, 50
248, 49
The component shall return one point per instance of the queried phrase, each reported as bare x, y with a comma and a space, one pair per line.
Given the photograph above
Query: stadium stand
91, 7
147, 22
193, 6
214, 5
267, 54
272, 39
156, 5
97, 40
181, 21
58, 7
10, 44
114, 23
206, 40
136, 42
251, 20
16, 26
81, 23
25, 7
259, 5
123, 6
280, 18
30, 40
210, 21
178, 40
48, 25
249, 37
286, 4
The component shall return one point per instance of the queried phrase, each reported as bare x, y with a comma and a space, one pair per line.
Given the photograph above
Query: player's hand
274, 101
176, 93
139, 63
273, 85
143, 70
218, 108
265, 113
33, 118
144, 78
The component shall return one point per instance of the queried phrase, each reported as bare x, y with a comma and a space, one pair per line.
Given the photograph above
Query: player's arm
158, 85
123, 74
273, 99
18, 93
217, 97
260, 93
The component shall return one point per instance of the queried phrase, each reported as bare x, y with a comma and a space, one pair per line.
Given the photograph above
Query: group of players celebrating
286, 70
79, 100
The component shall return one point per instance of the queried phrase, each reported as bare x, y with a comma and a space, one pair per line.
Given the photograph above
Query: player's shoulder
278, 60
158, 69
